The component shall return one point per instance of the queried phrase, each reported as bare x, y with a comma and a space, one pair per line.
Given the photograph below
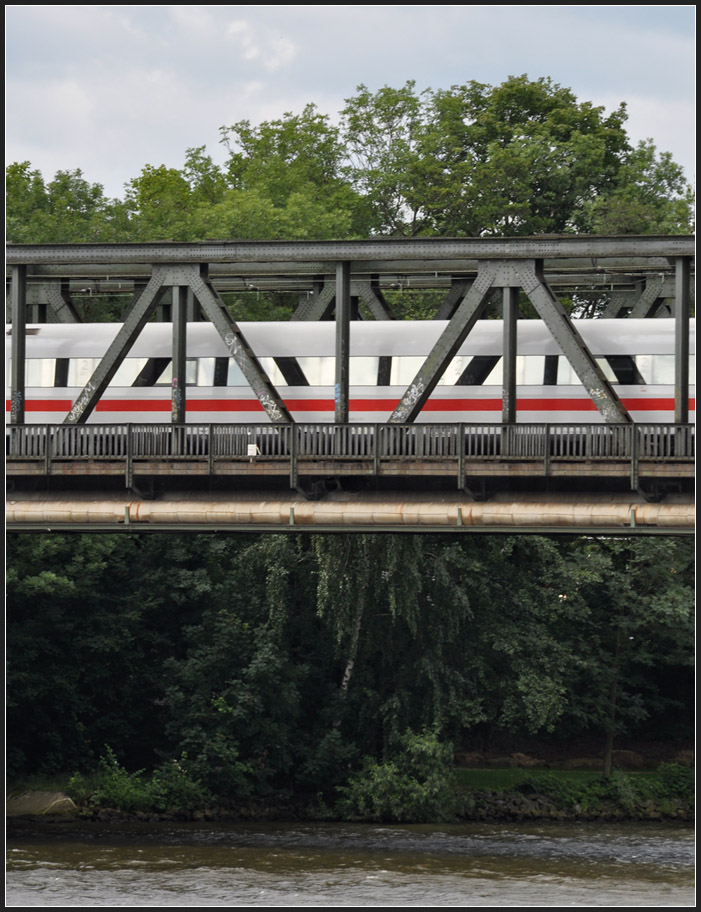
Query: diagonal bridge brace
144, 304
525, 274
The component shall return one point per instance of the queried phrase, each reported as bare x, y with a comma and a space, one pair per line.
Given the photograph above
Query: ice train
637, 357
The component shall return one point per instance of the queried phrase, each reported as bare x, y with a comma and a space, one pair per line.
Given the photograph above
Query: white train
637, 356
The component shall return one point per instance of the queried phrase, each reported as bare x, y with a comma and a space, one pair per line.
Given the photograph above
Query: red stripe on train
357, 405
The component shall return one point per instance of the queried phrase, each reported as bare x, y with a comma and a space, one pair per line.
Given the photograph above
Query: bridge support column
19, 345
510, 313
681, 341
178, 393
343, 310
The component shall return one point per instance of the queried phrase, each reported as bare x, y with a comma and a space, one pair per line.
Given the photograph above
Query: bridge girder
470, 269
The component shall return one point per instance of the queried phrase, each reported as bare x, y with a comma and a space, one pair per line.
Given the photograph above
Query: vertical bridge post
343, 308
19, 343
681, 341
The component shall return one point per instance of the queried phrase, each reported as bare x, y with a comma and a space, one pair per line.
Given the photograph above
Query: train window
625, 370
364, 371
566, 375
205, 371
234, 375
61, 373
40, 371
606, 369
221, 369
275, 371
530, 370
404, 370
659, 369
80, 370
130, 371
319, 371
291, 371
166, 377
469, 371
384, 370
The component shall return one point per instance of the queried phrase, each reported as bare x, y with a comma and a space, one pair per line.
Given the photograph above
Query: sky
110, 89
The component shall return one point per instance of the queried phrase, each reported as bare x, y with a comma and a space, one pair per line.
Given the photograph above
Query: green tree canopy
522, 158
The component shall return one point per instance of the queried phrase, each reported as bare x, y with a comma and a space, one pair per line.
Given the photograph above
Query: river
476, 864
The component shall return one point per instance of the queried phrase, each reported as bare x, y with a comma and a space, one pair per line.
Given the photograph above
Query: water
343, 865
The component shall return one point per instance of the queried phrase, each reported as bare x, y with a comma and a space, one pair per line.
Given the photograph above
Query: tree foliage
275, 663
521, 158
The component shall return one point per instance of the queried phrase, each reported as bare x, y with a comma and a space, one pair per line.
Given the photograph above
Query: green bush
112, 786
415, 786
172, 787
678, 781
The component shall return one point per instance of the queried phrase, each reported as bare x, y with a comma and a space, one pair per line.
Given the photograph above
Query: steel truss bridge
615, 477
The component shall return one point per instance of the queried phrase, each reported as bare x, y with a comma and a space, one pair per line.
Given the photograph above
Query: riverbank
56, 813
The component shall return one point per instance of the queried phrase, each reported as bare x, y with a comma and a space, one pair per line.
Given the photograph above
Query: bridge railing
352, 441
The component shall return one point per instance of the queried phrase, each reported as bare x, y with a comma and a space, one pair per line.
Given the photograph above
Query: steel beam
681, 341
369, 292
145, 302
510, 314
216, 312
44, 300
449, 304
451, 339
317, 306
619, 301
59, 299
563, 331
407, 249
178, 391
528, 276
649, 301
342, 367
18, 296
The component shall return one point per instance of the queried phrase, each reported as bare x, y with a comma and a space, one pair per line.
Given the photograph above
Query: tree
295, 164
651, 196
382, 135
67, 210
522, 158
159, 202
632, 609
85, 638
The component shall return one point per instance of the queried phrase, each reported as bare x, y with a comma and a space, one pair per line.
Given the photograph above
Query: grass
502, 780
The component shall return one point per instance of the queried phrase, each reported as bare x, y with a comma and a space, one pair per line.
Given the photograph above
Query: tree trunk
363, 578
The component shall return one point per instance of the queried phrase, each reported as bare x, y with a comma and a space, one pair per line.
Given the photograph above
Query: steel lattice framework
641, 276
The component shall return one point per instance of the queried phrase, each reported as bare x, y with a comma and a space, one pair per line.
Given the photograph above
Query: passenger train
637, 356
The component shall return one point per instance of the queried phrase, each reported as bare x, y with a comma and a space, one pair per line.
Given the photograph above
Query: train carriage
637, 356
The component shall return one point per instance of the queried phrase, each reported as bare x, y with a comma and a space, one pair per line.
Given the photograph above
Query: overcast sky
109, 89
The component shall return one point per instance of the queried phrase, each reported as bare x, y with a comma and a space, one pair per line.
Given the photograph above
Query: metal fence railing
352, 441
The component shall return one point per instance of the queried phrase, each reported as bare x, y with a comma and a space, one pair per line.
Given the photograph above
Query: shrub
112, 786
677, 780
415, 786
171, 787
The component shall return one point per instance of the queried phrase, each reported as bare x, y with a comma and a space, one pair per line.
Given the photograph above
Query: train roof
367, 338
